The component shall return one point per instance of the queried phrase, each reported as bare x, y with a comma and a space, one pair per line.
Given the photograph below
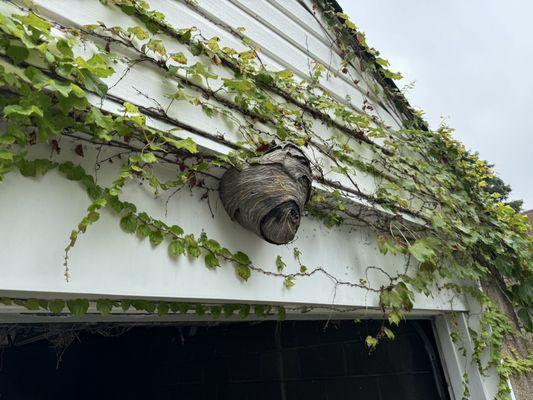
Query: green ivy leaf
212, 245
17, 54
238, 85
156, 237
211, 260
184, 144
185, 34
105, 306
42, 166
427, 266
149, 306
264, 77
280, 265
56, 306
7, 139
144, 305
392, 75
64, 47
382, 246
244, 272
93, 216
244, 311
32, 304
78, 307
129, 223
6, 155
176, 248
200, 310
143, 230
241, 258
163, 308
394, 318
288, 282
103, 121
216, 311
371, 342
16, 109
34, 21
285, 74
71, 171
228, 309
382, 62
179, 57
148, 158
176, 230
196, 47
139, 32
389, 333
421, 250
193, 250
260, 310
125, 305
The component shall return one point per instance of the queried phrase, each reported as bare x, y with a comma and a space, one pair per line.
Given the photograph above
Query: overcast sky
473, 65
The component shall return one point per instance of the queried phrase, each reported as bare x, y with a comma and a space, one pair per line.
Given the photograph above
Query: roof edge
394, 94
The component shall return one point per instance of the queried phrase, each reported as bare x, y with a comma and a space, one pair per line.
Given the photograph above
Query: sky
472, 64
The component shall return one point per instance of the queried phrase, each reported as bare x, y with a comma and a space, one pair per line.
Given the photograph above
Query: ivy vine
428, 204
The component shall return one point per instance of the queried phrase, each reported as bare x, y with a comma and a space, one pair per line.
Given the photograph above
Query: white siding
106, 262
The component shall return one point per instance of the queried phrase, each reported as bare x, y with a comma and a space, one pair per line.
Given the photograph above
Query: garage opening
291, 360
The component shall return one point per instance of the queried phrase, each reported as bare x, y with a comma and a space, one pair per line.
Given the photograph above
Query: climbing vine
427, 204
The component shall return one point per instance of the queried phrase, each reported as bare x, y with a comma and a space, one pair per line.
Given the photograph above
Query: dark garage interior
289, 360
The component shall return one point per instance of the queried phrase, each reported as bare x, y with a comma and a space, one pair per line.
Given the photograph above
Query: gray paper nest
269, 194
